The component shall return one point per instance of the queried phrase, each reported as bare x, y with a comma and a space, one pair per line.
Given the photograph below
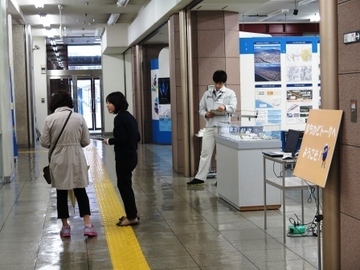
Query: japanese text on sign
318, 130
318, 145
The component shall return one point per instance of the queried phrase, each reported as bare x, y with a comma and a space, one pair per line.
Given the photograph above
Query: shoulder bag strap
52, 148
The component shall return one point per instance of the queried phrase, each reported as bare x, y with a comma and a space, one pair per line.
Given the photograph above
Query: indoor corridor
181, 227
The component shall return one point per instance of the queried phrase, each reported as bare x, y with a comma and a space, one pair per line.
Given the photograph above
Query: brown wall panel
350, 239
349, 77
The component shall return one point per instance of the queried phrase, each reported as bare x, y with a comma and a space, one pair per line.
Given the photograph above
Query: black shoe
195, 182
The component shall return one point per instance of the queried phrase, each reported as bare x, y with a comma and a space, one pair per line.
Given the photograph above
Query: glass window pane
97, 104
84, 100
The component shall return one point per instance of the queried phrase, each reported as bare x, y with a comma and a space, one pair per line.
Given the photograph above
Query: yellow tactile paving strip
124, 249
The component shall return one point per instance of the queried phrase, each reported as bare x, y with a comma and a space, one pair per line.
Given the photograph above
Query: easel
318, 225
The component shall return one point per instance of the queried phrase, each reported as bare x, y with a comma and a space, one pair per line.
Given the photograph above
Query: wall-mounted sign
352, 37
318, 145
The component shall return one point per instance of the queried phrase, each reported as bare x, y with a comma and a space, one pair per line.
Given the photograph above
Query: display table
283, 183
240, 173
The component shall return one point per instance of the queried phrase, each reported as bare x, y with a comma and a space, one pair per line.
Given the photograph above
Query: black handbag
46, 169
46, 174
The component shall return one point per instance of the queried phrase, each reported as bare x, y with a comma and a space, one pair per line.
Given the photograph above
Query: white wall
6, 127
130, 95
164, 63
40, 90
114, 39
113, 80
148, 18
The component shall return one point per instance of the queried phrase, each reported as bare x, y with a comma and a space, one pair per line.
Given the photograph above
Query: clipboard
217, 112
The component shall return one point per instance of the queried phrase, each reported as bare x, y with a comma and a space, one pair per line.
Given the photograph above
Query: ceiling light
39, 3
122, 3
315, 18
44, 20
113, 18
99, 32
305, 2
51, 33
274, 14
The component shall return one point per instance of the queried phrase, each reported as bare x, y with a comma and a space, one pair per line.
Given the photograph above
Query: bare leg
64, 222
87, 221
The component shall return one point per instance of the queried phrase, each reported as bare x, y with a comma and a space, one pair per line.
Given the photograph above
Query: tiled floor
181, 227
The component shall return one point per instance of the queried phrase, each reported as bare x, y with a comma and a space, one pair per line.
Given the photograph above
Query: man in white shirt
216, 105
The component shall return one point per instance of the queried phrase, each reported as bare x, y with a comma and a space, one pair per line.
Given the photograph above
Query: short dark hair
61, 99
220, 76
118, 100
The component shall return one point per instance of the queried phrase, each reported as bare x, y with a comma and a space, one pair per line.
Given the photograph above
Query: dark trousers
124, 168
81, 198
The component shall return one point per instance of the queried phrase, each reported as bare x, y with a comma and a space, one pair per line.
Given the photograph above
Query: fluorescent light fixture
274, 14
39, 3
113, 18
50, 33
99, 32
305, 2
122, 3
44, 20
315, 18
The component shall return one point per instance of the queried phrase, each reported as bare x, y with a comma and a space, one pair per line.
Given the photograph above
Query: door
86, 94
89, 101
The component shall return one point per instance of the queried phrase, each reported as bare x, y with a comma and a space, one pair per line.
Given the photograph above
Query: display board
318, 145
160, 105
280, 79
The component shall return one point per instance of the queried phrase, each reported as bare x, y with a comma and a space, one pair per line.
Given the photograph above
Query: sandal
124, 217
126, 222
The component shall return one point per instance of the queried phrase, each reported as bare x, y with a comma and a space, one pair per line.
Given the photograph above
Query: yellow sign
318, 145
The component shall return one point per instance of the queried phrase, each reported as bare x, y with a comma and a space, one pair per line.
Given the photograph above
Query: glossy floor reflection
181, 227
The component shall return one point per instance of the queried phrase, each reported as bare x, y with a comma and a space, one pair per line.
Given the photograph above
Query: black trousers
81, 198
124, 168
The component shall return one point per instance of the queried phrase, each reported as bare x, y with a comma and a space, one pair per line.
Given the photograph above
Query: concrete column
212, 42
330, 100
20, 85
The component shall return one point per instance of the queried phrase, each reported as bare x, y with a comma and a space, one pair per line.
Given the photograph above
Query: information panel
318, 145
282, 76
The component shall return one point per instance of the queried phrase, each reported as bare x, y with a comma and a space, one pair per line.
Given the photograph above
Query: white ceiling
81, 20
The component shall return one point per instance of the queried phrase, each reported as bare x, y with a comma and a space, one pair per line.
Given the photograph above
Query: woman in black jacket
125, 140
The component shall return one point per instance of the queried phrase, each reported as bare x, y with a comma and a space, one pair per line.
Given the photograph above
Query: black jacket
125, 135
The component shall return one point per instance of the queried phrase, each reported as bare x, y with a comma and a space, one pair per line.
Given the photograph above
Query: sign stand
316, 153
